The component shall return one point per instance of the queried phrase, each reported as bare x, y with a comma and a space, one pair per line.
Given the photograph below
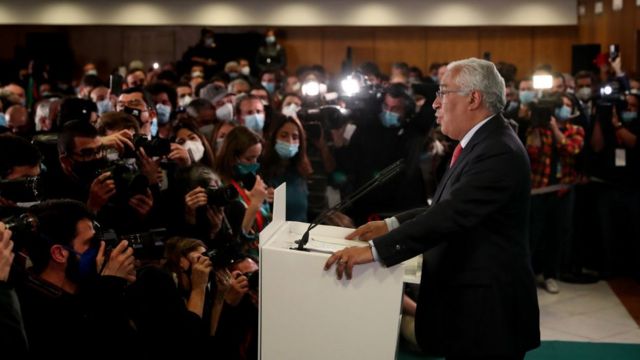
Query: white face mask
225, 112
245, 70
184, 101
291, 110
195, 149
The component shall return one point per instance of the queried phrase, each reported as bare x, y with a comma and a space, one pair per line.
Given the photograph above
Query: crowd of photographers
131, 203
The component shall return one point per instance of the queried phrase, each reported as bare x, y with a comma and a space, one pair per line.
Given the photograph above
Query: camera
146, 245
221, 196
221, 258
25, 190
129, 182
23, 227
614, 52
542, 111
254, 280
324, 118
156, 147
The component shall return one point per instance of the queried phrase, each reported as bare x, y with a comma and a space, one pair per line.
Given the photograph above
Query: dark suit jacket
477, 295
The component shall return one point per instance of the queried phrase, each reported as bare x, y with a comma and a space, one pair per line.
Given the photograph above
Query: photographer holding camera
75, 289
616, 172
116, 193
553, 143
178, 304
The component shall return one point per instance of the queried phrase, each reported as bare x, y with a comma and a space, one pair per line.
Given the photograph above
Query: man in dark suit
477, 295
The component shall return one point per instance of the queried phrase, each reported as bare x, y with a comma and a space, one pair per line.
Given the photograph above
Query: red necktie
456, 154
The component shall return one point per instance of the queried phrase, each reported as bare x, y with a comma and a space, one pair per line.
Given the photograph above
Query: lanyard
247, 201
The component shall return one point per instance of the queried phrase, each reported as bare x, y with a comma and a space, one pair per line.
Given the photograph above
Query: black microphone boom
382, 177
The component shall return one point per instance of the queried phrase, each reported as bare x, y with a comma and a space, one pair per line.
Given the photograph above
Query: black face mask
87, 171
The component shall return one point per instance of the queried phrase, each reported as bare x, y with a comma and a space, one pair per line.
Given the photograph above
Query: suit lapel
483, 132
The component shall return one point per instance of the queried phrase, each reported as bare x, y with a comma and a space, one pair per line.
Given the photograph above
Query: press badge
621, 157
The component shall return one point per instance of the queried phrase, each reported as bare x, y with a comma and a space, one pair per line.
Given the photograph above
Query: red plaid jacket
540, 155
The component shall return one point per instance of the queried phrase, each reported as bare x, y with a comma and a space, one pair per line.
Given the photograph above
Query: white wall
291, 13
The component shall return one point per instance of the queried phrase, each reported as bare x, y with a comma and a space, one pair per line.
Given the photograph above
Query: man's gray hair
481, 75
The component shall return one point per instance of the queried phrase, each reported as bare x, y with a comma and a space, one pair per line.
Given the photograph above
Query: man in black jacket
477, 298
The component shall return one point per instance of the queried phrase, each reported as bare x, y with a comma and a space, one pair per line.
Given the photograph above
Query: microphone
382, 177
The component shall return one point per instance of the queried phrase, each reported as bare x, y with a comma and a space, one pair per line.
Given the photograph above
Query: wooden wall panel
512, 45
303, 46
447, 44
336, 41
400, 44
552, 46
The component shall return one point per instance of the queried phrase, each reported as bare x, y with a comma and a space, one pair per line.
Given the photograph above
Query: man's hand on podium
369, 231
347, 258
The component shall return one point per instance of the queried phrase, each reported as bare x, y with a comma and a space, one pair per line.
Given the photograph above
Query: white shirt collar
467, 137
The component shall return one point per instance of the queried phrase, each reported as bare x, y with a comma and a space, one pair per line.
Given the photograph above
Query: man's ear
59, 254
66, 163
475, 100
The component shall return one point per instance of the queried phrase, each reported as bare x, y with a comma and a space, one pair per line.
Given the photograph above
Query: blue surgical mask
511, 107
3, 120
104, 106
270, 39
154, 127
164, 113
527, 96
563, 113
254, 122
389, 119
628, 116
233, 74
271, 87
244, 169
286, 150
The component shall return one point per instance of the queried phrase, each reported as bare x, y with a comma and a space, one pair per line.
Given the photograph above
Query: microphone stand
385, 175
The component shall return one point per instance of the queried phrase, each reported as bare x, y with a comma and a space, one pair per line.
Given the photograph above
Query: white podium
306, 313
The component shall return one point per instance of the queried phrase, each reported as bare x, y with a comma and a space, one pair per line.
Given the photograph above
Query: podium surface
307, 313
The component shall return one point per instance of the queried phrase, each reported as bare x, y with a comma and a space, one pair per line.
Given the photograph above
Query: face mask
164, 113
389, 119
195, 148
184, 101
245, 169
584, 94
254, 122
527, 96
81, 267
154, 127
233, 74
270, 39
291, 110
104, 106
245, 70
91, 72
209, 42
511, 106
271, 87
196, 74
3, 120
286, 150
87, 171
295, 87
563, 113
628, 116
225, 112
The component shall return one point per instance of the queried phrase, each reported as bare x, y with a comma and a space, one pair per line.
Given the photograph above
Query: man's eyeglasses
441, 93
91, 153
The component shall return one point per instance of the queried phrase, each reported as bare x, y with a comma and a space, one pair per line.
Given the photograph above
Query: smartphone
614, 52
115, 84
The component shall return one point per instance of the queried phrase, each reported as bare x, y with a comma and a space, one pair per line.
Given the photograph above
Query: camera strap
247, 202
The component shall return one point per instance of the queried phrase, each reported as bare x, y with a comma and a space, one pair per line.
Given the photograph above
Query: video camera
324, 118
610, 96
542, 110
